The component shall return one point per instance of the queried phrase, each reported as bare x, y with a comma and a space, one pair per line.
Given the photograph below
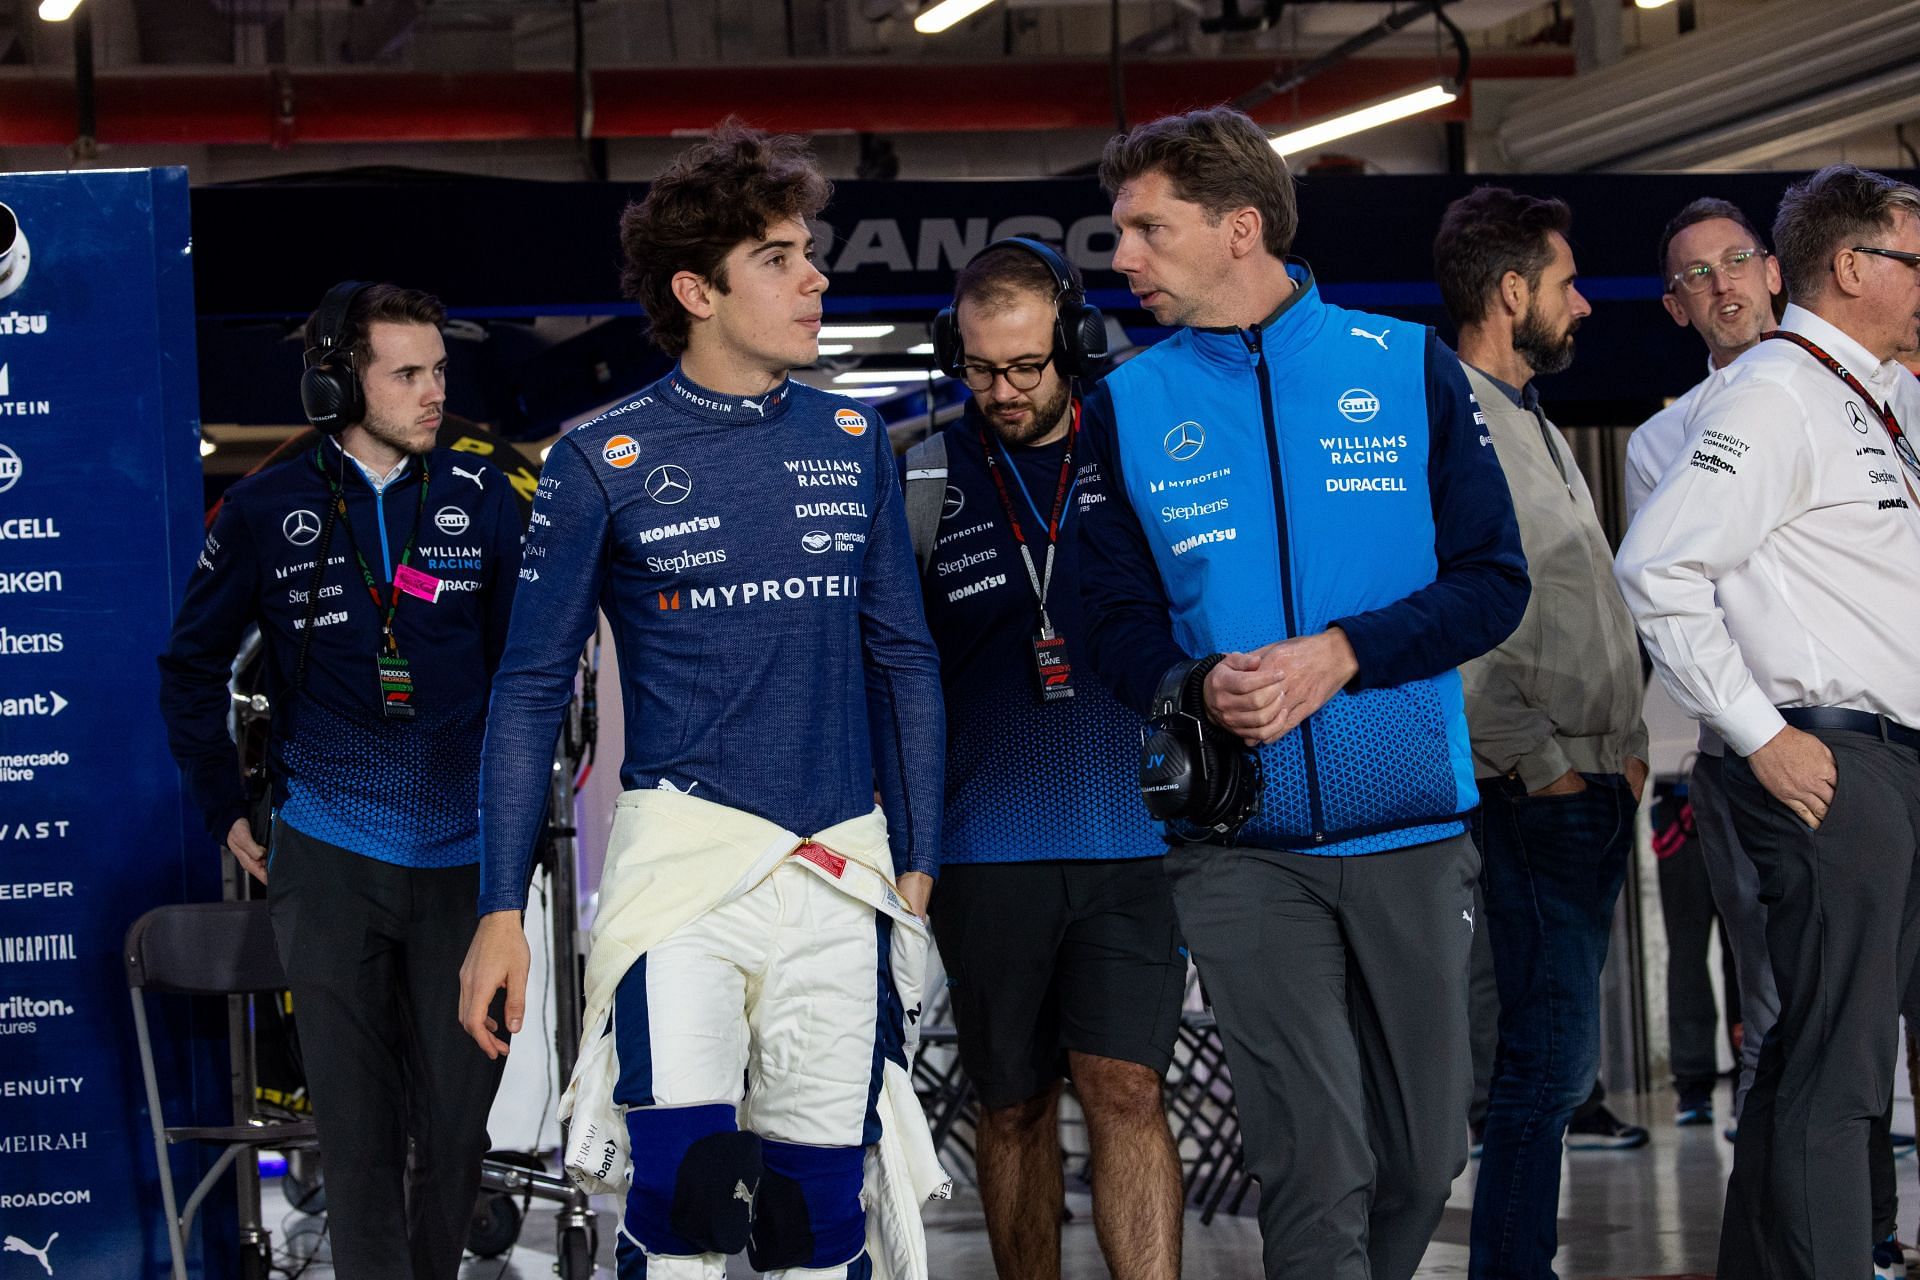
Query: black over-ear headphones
330, 389
1079, 330
1193, 773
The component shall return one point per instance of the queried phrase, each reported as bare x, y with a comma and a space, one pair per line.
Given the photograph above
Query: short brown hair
1836, 208
1487, 233
1705, 209
996, 278
717, 194
1217, 158
380, 304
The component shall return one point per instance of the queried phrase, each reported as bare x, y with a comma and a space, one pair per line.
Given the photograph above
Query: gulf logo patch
851, 421
621, 452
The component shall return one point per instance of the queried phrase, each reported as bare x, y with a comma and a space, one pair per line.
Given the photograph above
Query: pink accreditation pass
415, 583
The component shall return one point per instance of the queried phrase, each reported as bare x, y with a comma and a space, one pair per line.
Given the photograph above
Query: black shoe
1693, 1109
1604, 1131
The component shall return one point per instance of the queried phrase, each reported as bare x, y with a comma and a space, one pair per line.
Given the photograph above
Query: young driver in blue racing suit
745, 537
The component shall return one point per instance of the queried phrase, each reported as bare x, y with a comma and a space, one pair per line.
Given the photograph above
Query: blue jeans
1554, 865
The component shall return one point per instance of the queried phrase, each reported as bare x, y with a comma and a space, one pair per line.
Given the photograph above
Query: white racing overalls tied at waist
728, 948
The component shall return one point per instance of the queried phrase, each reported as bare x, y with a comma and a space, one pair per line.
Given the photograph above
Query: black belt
1852, 721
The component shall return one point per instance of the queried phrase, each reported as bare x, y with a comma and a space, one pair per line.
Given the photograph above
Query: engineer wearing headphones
1305, 534
381, 580
1053, 918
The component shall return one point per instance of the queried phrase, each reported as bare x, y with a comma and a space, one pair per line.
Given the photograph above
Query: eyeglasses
1021, 377
1698, 278
1898, 255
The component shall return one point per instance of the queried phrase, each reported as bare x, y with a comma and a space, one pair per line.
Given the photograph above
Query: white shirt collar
1838, 344
378, 482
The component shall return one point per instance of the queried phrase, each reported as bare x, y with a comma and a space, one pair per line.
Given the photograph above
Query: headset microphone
330, 390
1194, 774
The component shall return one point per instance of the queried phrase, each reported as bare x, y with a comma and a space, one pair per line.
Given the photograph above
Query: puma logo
665, 785
1381, 337
1467, 915
14, 1244
741, 1192
758, 406
479, 478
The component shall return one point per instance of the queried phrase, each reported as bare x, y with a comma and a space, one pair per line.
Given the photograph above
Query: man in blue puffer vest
1305, 496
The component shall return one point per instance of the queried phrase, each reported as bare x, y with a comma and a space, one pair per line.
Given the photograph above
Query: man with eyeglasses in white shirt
1775, 577
1721, 282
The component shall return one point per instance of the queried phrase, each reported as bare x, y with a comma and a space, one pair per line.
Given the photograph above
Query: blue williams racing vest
1280, 476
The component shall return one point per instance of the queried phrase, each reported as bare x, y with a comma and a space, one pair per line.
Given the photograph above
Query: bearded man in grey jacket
1554, 712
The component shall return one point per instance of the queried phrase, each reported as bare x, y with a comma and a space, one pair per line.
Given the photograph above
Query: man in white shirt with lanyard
1775, 577
1721, 282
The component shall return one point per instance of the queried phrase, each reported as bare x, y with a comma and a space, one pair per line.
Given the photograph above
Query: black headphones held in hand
330, 390
1193, 773
1079, 330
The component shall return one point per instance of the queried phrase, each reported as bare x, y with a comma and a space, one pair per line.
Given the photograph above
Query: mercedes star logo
301, 527
1857, 418
1184, 441
668, 484
954, 502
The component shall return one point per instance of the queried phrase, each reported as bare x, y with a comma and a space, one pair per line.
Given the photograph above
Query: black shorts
1047, 957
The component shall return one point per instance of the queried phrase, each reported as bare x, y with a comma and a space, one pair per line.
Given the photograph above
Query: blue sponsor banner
99, 525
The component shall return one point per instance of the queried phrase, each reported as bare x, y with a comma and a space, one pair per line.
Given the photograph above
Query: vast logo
452, 521
1184, 441
10, 465
851, 421
667, 484
301, 527
1357, 404
621, 452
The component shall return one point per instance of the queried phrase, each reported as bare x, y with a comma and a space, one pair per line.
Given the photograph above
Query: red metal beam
283, 108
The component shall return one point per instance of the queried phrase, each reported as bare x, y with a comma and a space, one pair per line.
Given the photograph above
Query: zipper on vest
1253, 341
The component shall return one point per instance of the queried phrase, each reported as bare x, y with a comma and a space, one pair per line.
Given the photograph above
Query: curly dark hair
1487, 233
715, 195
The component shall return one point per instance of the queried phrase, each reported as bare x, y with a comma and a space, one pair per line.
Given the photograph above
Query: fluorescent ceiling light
841, 332
835, 348
57, 10
920, 349
874, 393
945, 14
852, 376
1372, 116
1652, 4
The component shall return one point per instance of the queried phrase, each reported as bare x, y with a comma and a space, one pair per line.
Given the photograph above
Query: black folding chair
210, 949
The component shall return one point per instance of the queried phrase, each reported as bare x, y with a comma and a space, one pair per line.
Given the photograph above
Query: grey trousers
1843, 930
1743, 918
1340, 985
